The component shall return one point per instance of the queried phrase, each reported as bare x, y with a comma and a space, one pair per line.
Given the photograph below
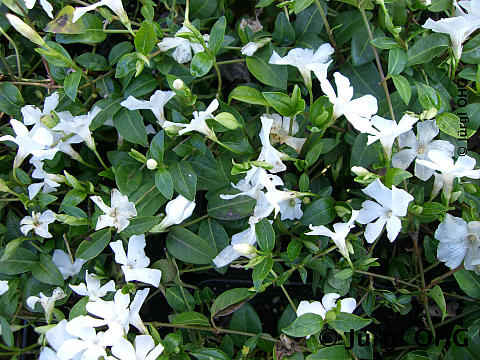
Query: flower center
421, 149
292, 202
389, 213
472, 238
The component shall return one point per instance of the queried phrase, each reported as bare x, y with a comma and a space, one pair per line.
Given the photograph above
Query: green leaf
471, 51
56, 55
436, 294
395, 176
202, 8
261, 271
283, 33
186, 246
265, 235
11, 100
118, 51
468, 281
128, 179
385, 43
209, 354
126, 65
47, 272
346, 24
93, 245
157, 146
216, 35
92, 61
92, 33
450, 124
179, 298
233, 209
428, 97
344, 274
228, 298
214, 234
140, 86
346, 321
130, 125
7, 334
397, 58
201, 64
272, 75
145, 38
323, 146
361, 49
71, 83
191, 318
309, 20
427, 48
362, 155
305, 325
184, 179
140, 225
19, 261
403, 87
337, 352
248, 95
164, 182
321, 212
227, 120
79, 308
245, 319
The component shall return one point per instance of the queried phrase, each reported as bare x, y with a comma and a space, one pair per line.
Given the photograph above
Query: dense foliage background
179, 166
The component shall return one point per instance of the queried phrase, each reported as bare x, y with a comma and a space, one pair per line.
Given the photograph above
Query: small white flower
290, 209
426, 132
440, 161
387, 131
268, 153
458, 28
35, 142
144, 349
471, 6
459, 240
229, 254
78, 125
56, 336
50, 181
156, 103
115, 5
244, 249
250, 185
392, 204
198, 122
339, 233
117, 214
178, 84
306, 60
151, 164
280, 129
92, 288
177, 210
33, 115
38, 222
3, 286
48, 303
357, 111
65, 265
135, 262
114, 313
183, 47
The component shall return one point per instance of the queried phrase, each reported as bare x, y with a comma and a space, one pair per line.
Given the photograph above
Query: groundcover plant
239, 179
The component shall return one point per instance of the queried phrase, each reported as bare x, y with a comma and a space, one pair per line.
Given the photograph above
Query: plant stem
100, 159
19, 66
233, 61
285, 292
444, 276
219, 79
379, 65
203, 217
329, 31
391, 278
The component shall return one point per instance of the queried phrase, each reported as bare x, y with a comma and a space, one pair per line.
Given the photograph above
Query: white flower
135, 262
198, 122
268, 153
459, 240
134, 311
156, 103
38, 222
45, 5
56, 336
25, 30
426, 132
115, 5
250, 185
472, 7
391, 205
3, 286
229, 254
329, 302
33, 115
307, 60
339, 233
144, 349
245, 249
357, 111
35, 142
118, 214
78, 125
114, 313
251, 48
184, 47
440, 161
276, 197
177, 210
178, 84
92, 288
65, 265
290, 209
459, 28
387, 131
280, 129
50, 181
48, 303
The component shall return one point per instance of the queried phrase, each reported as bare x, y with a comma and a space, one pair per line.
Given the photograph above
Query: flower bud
470, 188
25, 30
245, 248
360, 171
178, 84
151, 164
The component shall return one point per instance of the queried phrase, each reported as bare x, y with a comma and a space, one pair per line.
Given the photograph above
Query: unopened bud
25, 30
178, 84
330, 316
360, 171
245, 249
470, 188
151, 164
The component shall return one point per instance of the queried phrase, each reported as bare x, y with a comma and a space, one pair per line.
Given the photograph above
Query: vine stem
444, 276
329, 30
219, 78
285, 292
379, 65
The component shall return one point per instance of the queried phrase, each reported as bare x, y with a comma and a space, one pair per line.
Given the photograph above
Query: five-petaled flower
183, 47
117, 214
156, 103
38, 222
65, 265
